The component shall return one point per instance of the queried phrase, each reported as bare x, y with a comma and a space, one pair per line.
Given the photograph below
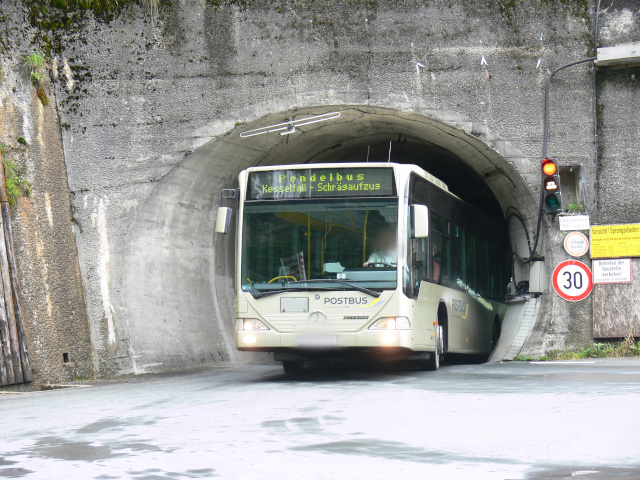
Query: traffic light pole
545, 142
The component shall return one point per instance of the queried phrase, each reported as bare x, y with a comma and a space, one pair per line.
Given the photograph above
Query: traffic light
552, 197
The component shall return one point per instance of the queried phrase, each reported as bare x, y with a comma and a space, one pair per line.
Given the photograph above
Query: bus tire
293, 366
433, 363
495, 334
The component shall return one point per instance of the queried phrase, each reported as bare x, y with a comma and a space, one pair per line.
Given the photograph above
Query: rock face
52, 300
149, 106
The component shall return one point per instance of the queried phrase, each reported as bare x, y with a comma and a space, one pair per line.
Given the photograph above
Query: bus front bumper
269, 340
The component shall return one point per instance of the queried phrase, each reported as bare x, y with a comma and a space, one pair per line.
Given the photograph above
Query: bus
370, 258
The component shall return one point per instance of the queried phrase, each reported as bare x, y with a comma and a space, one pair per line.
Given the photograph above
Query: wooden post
3, 369
21, 364
15, 289
7, 375
12, 357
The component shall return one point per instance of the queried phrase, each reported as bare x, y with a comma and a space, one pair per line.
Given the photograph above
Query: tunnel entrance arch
178, 283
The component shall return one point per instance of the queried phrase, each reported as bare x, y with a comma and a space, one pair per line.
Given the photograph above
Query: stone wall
52, 295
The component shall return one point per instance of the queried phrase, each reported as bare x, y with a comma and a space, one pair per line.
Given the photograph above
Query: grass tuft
17, 186
628, 347
522, 358
36, 64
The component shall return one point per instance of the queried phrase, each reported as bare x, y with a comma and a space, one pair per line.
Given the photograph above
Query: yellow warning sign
614, 241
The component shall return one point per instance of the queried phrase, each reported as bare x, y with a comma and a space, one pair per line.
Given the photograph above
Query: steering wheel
281, 277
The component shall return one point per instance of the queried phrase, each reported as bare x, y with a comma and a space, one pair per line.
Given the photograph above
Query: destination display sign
321, 183
614, 241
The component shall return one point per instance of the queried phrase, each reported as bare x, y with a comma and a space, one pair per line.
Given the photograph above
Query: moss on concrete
509, 8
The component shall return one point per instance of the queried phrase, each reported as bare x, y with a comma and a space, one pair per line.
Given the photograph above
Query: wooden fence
15, 365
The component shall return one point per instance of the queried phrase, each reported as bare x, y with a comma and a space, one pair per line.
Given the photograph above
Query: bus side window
440, 245
457, 257
439, 258
482, 267
470, 259
418, 263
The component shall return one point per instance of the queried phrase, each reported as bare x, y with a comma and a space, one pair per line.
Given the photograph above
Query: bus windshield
319, 245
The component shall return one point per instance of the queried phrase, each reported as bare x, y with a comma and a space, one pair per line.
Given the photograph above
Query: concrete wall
143, 100
52, 295
619, 169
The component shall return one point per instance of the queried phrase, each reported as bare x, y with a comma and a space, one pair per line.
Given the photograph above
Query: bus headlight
243, 324
391, 323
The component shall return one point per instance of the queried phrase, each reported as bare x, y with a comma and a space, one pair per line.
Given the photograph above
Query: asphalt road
514, 420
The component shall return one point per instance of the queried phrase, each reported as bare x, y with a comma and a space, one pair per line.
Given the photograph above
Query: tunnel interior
186, 318
462, 180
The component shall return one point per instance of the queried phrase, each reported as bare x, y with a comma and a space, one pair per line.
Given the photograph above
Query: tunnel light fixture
289, 127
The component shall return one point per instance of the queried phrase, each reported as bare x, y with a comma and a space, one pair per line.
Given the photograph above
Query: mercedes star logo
317, 317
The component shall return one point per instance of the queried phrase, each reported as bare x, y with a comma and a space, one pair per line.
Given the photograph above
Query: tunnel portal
178, 283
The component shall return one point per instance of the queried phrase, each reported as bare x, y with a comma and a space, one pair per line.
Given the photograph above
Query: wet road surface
506, 421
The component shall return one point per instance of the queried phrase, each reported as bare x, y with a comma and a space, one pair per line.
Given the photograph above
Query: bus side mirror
420, 221
223, 220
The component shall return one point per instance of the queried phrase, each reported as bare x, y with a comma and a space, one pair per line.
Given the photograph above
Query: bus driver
385, 248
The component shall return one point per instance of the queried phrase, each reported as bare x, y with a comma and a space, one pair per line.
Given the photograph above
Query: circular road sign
576, 244
572, 280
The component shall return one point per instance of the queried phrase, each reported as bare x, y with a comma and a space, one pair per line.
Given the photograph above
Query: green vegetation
629, 347
48, 10
55, 20
509, 8
99, 7
17, 186
36, 64
522, 358
575, 207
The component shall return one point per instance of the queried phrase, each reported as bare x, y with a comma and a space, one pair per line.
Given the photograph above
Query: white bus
363, 257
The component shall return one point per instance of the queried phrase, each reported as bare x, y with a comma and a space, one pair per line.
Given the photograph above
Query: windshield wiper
368, 291
260, 294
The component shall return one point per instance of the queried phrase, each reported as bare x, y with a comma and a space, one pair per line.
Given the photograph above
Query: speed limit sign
572, 280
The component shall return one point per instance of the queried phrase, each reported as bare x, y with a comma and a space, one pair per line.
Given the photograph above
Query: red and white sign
572, 280
576, 244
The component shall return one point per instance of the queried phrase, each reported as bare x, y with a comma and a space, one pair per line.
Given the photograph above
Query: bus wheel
293, 366
495, 334
433, 363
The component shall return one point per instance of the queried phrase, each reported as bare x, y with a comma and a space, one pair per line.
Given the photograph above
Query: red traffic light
549, 167
551, 186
